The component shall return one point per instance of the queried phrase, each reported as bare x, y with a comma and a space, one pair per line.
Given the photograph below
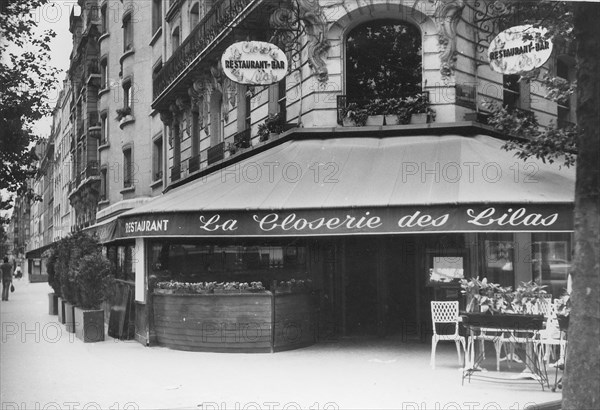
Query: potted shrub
354, 116
94, 279
375, 111
273, 125
419, 109
396, 112
53, 281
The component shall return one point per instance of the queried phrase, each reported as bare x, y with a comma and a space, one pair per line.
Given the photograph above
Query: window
127, 95
247, 109
156, 69
127, 168
551, 260
175, 39
103, 128
157, 159
104, 19
216, 122
156, 15
104, 73
383, 60
563, 106
195, 133
194, 16
282, 100
103, 184
127, 33
511, 91
176, 170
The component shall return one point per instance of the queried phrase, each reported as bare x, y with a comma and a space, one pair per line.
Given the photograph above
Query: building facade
188, 175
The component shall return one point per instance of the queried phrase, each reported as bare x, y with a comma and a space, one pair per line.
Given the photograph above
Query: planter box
52, 303
391, 120
89, 325
422, 118
61, 310
70, 317
505, 321
347, 122
375, 120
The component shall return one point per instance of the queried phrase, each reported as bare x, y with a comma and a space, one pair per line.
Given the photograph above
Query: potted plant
418, 106
230, 148
273, 125
375, 111
354, 116
94, 279
396, 112
123, 112
53, 281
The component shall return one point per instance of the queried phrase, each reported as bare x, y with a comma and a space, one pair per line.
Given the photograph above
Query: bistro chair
446, 314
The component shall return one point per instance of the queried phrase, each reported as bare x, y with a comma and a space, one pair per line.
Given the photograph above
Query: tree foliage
26, 80
383, 60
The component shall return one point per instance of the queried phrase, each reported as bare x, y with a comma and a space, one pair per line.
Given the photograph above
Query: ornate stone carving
316, 28
447, 15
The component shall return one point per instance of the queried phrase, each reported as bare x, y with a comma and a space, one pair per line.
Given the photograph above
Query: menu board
446, 269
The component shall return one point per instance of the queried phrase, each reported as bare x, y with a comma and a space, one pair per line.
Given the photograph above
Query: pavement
44, 367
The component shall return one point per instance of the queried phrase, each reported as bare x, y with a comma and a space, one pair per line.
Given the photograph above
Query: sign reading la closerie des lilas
254, 63
519, 49
558, 217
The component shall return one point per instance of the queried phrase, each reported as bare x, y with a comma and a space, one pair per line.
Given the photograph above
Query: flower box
89, 325
505, 321
374, 120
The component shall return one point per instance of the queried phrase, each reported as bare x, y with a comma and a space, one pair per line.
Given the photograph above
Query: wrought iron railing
342, 101
215, 153
218, 18
175, 172
242, 139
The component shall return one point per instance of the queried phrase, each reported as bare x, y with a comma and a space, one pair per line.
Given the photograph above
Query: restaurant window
511, 91
244, 108
127, 33
372, 49
282, 99
104, 73
156, 15
121, 258
194, 15
551, 261
499, 257
199, 262
157, 158
127, 168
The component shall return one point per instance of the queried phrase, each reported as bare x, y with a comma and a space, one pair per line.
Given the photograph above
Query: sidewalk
44, 367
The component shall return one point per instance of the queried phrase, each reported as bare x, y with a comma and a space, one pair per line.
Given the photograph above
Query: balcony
242, 139
93, 125
215, 153
175, 172
218, 19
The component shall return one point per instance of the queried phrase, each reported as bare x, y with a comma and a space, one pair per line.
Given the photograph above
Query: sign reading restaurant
519, 49
547, 217
254, 63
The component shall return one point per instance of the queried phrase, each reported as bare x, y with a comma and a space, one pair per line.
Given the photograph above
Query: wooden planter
391, 120
52, 303
89, 325
249, 322
70, 317
61, 310
505, 321
374, 120
420, 118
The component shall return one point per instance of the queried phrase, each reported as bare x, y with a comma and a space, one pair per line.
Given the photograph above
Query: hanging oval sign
254, 63
519, 49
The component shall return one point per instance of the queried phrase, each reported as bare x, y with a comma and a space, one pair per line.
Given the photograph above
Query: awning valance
366, 185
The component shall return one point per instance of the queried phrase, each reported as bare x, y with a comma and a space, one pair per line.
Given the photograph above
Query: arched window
194, 15
383, 60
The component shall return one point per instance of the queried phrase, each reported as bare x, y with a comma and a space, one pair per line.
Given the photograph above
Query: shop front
373, 229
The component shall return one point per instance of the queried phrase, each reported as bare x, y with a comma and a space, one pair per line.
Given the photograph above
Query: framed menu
447, 267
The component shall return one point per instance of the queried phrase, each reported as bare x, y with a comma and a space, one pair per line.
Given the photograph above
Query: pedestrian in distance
7, 275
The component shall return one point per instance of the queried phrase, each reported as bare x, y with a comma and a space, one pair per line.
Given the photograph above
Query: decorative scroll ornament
318, 46
447, 15
285, 23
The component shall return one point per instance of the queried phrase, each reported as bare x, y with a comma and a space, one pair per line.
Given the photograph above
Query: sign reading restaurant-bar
547, 217
519, 49
254, 63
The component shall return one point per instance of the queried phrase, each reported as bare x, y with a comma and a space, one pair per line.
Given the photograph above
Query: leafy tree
575, 24
26, 80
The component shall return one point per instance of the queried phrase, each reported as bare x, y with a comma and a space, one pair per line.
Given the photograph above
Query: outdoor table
511, 330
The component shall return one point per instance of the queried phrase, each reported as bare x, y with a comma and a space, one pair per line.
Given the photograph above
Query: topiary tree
53, 277
94, 277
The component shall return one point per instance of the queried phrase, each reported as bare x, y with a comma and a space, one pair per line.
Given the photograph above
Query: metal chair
445, 313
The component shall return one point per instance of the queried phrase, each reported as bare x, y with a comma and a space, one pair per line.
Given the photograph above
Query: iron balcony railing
175, 172
242, 139
342, 101
218, 18
215, 153
194, 163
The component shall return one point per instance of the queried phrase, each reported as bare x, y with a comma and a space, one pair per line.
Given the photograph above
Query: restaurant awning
448, 183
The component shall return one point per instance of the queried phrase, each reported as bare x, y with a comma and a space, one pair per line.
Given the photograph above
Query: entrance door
361, 287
